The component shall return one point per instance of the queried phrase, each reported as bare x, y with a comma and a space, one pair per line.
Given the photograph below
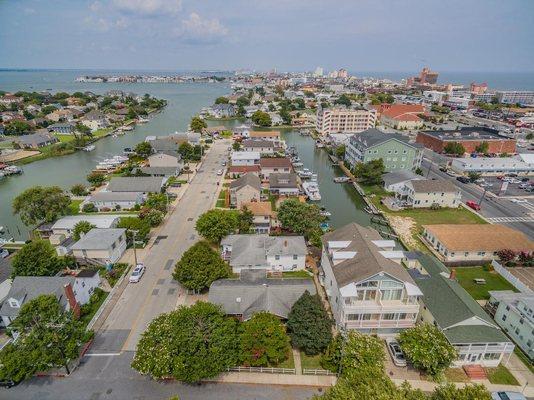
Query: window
507, 308
113, 246
392, 294
295, 257
277, 257
354, 317
388, 316
492, 356
503, 317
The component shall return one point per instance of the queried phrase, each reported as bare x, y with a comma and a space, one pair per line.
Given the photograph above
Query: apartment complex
367, 290
522, 97
344, 120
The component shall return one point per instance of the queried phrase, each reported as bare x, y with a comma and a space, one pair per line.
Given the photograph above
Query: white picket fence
268, 370
511, 278
306, 371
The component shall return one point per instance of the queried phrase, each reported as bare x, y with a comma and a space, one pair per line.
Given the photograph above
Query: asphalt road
111, 378
497, 210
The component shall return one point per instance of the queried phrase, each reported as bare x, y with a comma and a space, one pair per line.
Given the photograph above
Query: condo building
344, 120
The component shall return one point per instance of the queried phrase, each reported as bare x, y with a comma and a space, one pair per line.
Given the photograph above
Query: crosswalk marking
511, 219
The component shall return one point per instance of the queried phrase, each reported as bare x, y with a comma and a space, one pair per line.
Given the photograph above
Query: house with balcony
467, 327
264, 218
426, 193
367, 288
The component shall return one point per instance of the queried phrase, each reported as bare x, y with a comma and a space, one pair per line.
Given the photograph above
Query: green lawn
288, 363
6, 144
310, 362
220, 203
65, 138
296, 274
501, 376
90, 309
222, 194
74, 207
494, 281
116, 272
441, 216
456, 375
101, 132
524, 359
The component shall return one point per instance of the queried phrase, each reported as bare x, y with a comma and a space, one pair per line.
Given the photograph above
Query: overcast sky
359, 35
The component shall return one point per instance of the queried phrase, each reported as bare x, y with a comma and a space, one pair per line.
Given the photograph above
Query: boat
114, 135
324, 226
312, 190
91, 147
12, 170
143, 120
305, 173
298, 164
325, 213
341, 179
127, 128
319, 144
127, 150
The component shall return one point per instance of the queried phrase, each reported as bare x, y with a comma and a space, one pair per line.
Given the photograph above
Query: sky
289, 35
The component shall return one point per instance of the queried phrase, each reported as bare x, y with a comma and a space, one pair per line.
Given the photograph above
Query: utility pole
482, 197
134, 248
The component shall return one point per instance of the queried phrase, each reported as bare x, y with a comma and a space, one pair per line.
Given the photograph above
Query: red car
473, 205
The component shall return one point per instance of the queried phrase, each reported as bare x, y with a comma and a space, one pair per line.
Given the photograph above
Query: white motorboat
143, 120
312, 190
297, 164
325, 213
91, 147
319, 144
305, 173
341, 179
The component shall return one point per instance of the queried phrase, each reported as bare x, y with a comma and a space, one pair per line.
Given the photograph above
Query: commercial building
467, 327
514, 312
395, 150
367, 290
344, 120
492, 166
401, 116
474, 243
469, 137
523, 97
426, 77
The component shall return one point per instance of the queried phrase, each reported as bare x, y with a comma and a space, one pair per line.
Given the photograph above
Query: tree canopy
300, 218
188, 344
96, 179
41, 204
80, 228
48, 337
78, 190
427, 348
263, 341
468, 392
221, 100
144, 149
344, 100
261, 118
216, 224
199, 266
454, 148
197, 124
370, 173
309, 326
37, 258
189, 152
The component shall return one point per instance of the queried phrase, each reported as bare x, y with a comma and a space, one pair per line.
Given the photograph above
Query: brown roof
276, 162
243, 169
255, 134
480, 237
260, 208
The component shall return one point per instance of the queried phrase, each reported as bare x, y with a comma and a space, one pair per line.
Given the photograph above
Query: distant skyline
290, 35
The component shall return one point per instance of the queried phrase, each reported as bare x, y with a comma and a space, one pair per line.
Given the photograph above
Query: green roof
450, 305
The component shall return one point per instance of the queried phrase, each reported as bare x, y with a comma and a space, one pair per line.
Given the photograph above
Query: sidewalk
275, 379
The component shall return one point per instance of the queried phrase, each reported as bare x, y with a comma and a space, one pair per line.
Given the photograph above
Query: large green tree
41, 204
309, 326
221, 100
144, 149
81, 227
216, 224
454, 148
188, 344
197, 124
263, 341
261, 118
468, 392
96, 179
37, 258
199, 266
17, 128
370, 173
331, 359
48, 338
301, 218
427, 348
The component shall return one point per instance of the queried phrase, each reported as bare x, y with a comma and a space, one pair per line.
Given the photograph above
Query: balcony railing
402, 323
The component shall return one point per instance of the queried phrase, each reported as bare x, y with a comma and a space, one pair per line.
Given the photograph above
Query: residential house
395, 181
367, 290
166, 159
253, 292
162, 172
264, 147
264, 217
274, 253
163, 145
275, 165
239, 170
222, 111
192, 138
284, 184
116, 200
64, 226
60, 115
35, 140
241, 158
464, 323
105, 246
8, 99
95, 120
245, 189
474, 243
61, 128
273, 136
427, 193
514, 312
137, 184
395, 150
27, 288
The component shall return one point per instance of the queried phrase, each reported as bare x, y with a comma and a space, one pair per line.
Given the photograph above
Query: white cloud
29, 10
98, 24
149, 7
195, 29
122, 23
95, 6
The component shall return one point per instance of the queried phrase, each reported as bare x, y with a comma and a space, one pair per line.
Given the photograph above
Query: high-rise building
522, 97
344, 120
342, 73
426, 77
318, 72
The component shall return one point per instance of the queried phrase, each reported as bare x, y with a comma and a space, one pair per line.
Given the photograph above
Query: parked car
507, 396
523, 186
519, 201
137, 273
462, 179
480, 180
219, 172
512, 175
4, 253
395, 352
223, 163
472, 204
7, 383
525, 179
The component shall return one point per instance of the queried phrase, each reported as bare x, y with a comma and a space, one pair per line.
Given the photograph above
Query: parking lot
492, 184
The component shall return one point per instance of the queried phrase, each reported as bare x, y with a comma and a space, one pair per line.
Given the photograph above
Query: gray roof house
141, 184
282, 253
35, 140
395, 180
105, 246
245, 189
254, 292
464, 323
282, 183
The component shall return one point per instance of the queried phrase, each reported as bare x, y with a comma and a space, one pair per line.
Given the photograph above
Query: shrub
89, 208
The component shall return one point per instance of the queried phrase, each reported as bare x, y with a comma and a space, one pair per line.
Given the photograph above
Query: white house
63, 227
105, 246
116, 200
276, 253
240, 158
426, 193
367, 288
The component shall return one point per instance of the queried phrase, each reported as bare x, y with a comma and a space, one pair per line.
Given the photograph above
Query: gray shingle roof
428, 185
160, 171
26, 288
277, 180
253, 292
249, 179
98, 239
399, 176
450, 305
143, 184
373, 137
258, 143
114, 196
368, 261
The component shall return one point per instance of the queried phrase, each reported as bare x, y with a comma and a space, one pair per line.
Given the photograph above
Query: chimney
452, 276
74, 306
